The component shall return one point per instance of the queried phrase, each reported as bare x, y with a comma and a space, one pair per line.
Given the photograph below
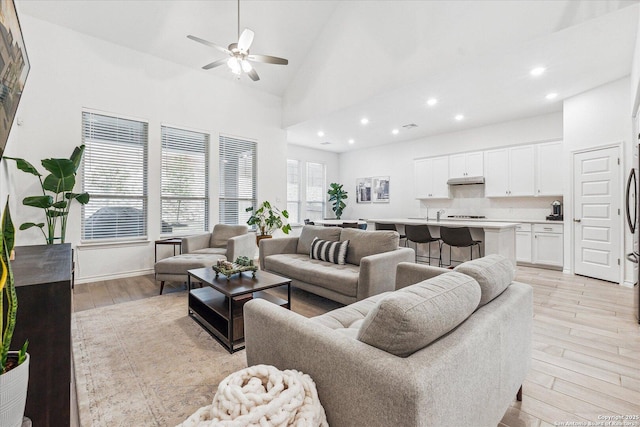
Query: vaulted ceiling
383, 59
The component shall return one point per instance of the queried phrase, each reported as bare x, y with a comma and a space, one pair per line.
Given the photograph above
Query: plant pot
262, 236
13, 393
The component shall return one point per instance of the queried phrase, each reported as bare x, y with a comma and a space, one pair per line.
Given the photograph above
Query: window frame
205, 197
298, 201
109, 196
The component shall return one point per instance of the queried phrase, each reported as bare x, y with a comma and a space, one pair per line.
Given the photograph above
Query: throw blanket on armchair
262, 396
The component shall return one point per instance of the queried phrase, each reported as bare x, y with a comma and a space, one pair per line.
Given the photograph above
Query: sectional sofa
445, 349
368, 267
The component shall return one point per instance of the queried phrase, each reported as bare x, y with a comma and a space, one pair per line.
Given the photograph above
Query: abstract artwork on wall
380, 189
363, 190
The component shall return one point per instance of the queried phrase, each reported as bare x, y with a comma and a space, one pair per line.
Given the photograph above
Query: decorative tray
230, 268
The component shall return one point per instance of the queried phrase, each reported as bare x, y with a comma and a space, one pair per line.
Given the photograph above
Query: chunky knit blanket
262, 396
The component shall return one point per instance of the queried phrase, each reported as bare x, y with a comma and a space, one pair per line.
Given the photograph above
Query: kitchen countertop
520, 221
460, 222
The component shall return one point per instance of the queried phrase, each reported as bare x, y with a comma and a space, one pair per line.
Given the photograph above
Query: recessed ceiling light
320, 133
351, 141
395, 131
431, 102
459, 117
551, 96
538, 71
364, 120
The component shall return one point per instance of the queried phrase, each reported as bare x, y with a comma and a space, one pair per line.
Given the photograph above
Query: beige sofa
452, 350
204, 250
370, 266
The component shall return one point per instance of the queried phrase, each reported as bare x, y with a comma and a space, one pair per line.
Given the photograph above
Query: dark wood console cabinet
43, 284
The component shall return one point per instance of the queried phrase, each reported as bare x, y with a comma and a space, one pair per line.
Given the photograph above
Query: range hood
466, 180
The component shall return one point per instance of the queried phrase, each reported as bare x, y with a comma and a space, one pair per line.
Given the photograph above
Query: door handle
632, 257
577, 220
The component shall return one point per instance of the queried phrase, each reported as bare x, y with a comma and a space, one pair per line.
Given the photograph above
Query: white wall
598, 117
396, 161
71, 71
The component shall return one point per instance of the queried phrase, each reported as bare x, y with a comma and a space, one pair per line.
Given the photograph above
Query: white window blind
237, 179
315, 194
115, 175
184, 181
293, 191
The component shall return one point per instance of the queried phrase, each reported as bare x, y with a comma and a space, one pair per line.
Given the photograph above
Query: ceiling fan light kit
239, 54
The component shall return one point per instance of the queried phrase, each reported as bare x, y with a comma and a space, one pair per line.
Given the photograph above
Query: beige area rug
147, 363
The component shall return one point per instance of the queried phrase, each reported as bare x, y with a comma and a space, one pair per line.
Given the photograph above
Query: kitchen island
497, 237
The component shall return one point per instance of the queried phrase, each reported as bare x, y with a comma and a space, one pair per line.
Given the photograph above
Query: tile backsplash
470, 200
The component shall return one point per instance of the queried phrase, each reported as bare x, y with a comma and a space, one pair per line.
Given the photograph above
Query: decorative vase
13, 393
262, 236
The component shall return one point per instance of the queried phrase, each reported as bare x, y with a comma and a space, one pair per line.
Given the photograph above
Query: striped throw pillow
325, 250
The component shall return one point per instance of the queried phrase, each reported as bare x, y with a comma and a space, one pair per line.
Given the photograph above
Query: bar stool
421, 234
459, 237
392, 227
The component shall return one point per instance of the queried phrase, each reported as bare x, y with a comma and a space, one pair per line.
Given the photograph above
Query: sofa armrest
243, 245
378, 272
409, 273
280, 245
355, 381
195, 242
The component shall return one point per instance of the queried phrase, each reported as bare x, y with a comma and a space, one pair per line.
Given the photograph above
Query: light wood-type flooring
586, 347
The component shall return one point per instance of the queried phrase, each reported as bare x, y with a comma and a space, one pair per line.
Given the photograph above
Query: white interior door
596, 214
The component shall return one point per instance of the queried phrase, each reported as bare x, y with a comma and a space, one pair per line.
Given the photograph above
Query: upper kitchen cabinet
466, 164
430, 178
510, 172
548, 173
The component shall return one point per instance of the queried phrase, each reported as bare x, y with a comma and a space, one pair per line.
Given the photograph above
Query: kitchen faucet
439, 213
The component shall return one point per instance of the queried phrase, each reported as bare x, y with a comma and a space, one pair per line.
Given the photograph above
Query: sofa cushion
339, 278
222, 232
364, 243
179, 264
310, 232
212, 251
492, 272
409, 319
349, 316
325, 250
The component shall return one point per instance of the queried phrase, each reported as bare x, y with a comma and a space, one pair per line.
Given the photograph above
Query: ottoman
174, 269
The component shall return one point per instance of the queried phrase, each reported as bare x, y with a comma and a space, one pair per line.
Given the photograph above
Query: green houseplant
59, 182
268, 219
337, 195
14, 366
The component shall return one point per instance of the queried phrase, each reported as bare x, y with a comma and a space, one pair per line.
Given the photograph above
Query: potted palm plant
337, 195
14, 365
267, 219
57, 193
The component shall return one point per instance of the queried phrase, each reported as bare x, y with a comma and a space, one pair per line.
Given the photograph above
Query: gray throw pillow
310, 232
411, 318
494, 273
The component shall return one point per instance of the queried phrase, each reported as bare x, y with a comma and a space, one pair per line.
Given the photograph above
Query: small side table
176, 242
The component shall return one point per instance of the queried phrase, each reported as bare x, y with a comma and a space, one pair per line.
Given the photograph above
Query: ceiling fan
239, 55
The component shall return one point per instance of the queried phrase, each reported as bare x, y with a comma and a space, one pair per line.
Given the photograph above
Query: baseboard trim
101, 277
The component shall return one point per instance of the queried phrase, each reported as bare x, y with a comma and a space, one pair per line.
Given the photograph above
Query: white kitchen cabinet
430, 178
523, 243
466, 164
549, 169
510, 172
548, 244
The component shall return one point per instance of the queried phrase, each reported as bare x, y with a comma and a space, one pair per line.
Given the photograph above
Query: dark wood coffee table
217, 307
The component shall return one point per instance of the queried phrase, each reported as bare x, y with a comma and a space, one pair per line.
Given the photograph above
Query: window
316, 194
115, 175
237, 179
293, 191
184, 183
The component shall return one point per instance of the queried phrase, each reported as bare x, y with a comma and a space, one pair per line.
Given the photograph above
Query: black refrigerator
632, 210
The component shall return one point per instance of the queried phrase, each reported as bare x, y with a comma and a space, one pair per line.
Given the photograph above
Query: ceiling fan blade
245, 40
215, 64
207, 43
254, 76
268, 59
